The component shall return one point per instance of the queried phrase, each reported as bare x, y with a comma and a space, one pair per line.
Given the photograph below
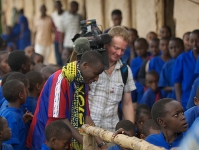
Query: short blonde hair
119, 31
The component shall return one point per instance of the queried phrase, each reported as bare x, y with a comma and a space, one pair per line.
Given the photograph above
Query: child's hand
119, 131
27, 116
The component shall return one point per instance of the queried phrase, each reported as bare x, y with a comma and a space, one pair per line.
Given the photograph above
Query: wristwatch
101, 144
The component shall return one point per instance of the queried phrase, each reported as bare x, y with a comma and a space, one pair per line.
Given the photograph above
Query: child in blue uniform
36, 82
176, 47
129, 129
152, 94
169, 115
15, 93
185, 70
21, 77
185, 39
154, 47
156, 63
141, 47
191, 102
192, 113
5, 134
58, 135
149, 127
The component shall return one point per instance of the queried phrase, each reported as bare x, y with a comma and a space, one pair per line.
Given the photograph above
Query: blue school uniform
149, 97
19, 130
31, 103
115, 147
190, 102
159, 140
183, 72
126, 56
166, 78
1, 93
5, 146
191, 115
156, 63
191, 140
45, 147
135, 66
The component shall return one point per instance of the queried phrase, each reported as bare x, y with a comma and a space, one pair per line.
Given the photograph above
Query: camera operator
106, 93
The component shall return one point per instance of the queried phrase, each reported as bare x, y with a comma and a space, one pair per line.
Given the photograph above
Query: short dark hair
133, 30
149, 124
142, 107
178, 40
158, 108
127, 125
11, 90
186, 34
143, 40
18, 76
195, 31
74, 3
4, 78
34, 77
34, 55
165, 38
16, 59
168, 28
1, 43
55, 129
116, 12
38, 67
155, 40
153, 73
92, 57
47, 71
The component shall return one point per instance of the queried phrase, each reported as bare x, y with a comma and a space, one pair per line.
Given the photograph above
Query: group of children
165, 67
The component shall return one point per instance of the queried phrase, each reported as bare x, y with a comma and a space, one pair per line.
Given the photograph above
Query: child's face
164, 32
174, 119
62, 142
143, 117
175, 49
132, 36
117, 20
29, 50
186, 42
38, 59
151, 36
26, 66
164, 47
154, 48
194, 42
152, 82
140, 49
6, 132
4, 67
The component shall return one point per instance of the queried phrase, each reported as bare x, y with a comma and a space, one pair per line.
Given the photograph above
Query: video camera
95, 37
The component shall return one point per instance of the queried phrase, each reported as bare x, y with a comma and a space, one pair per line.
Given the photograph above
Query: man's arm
75, 133
178, 92
127, 107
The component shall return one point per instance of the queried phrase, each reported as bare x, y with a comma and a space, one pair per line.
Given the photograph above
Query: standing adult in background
43, 34
116, 17
107, 92
69, 28
58, 17
24, 36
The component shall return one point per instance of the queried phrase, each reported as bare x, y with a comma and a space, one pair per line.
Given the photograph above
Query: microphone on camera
81, 45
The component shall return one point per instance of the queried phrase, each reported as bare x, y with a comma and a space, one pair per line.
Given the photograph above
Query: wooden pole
122, 140
89, 142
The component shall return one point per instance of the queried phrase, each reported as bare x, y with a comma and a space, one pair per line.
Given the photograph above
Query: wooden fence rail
122, 140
